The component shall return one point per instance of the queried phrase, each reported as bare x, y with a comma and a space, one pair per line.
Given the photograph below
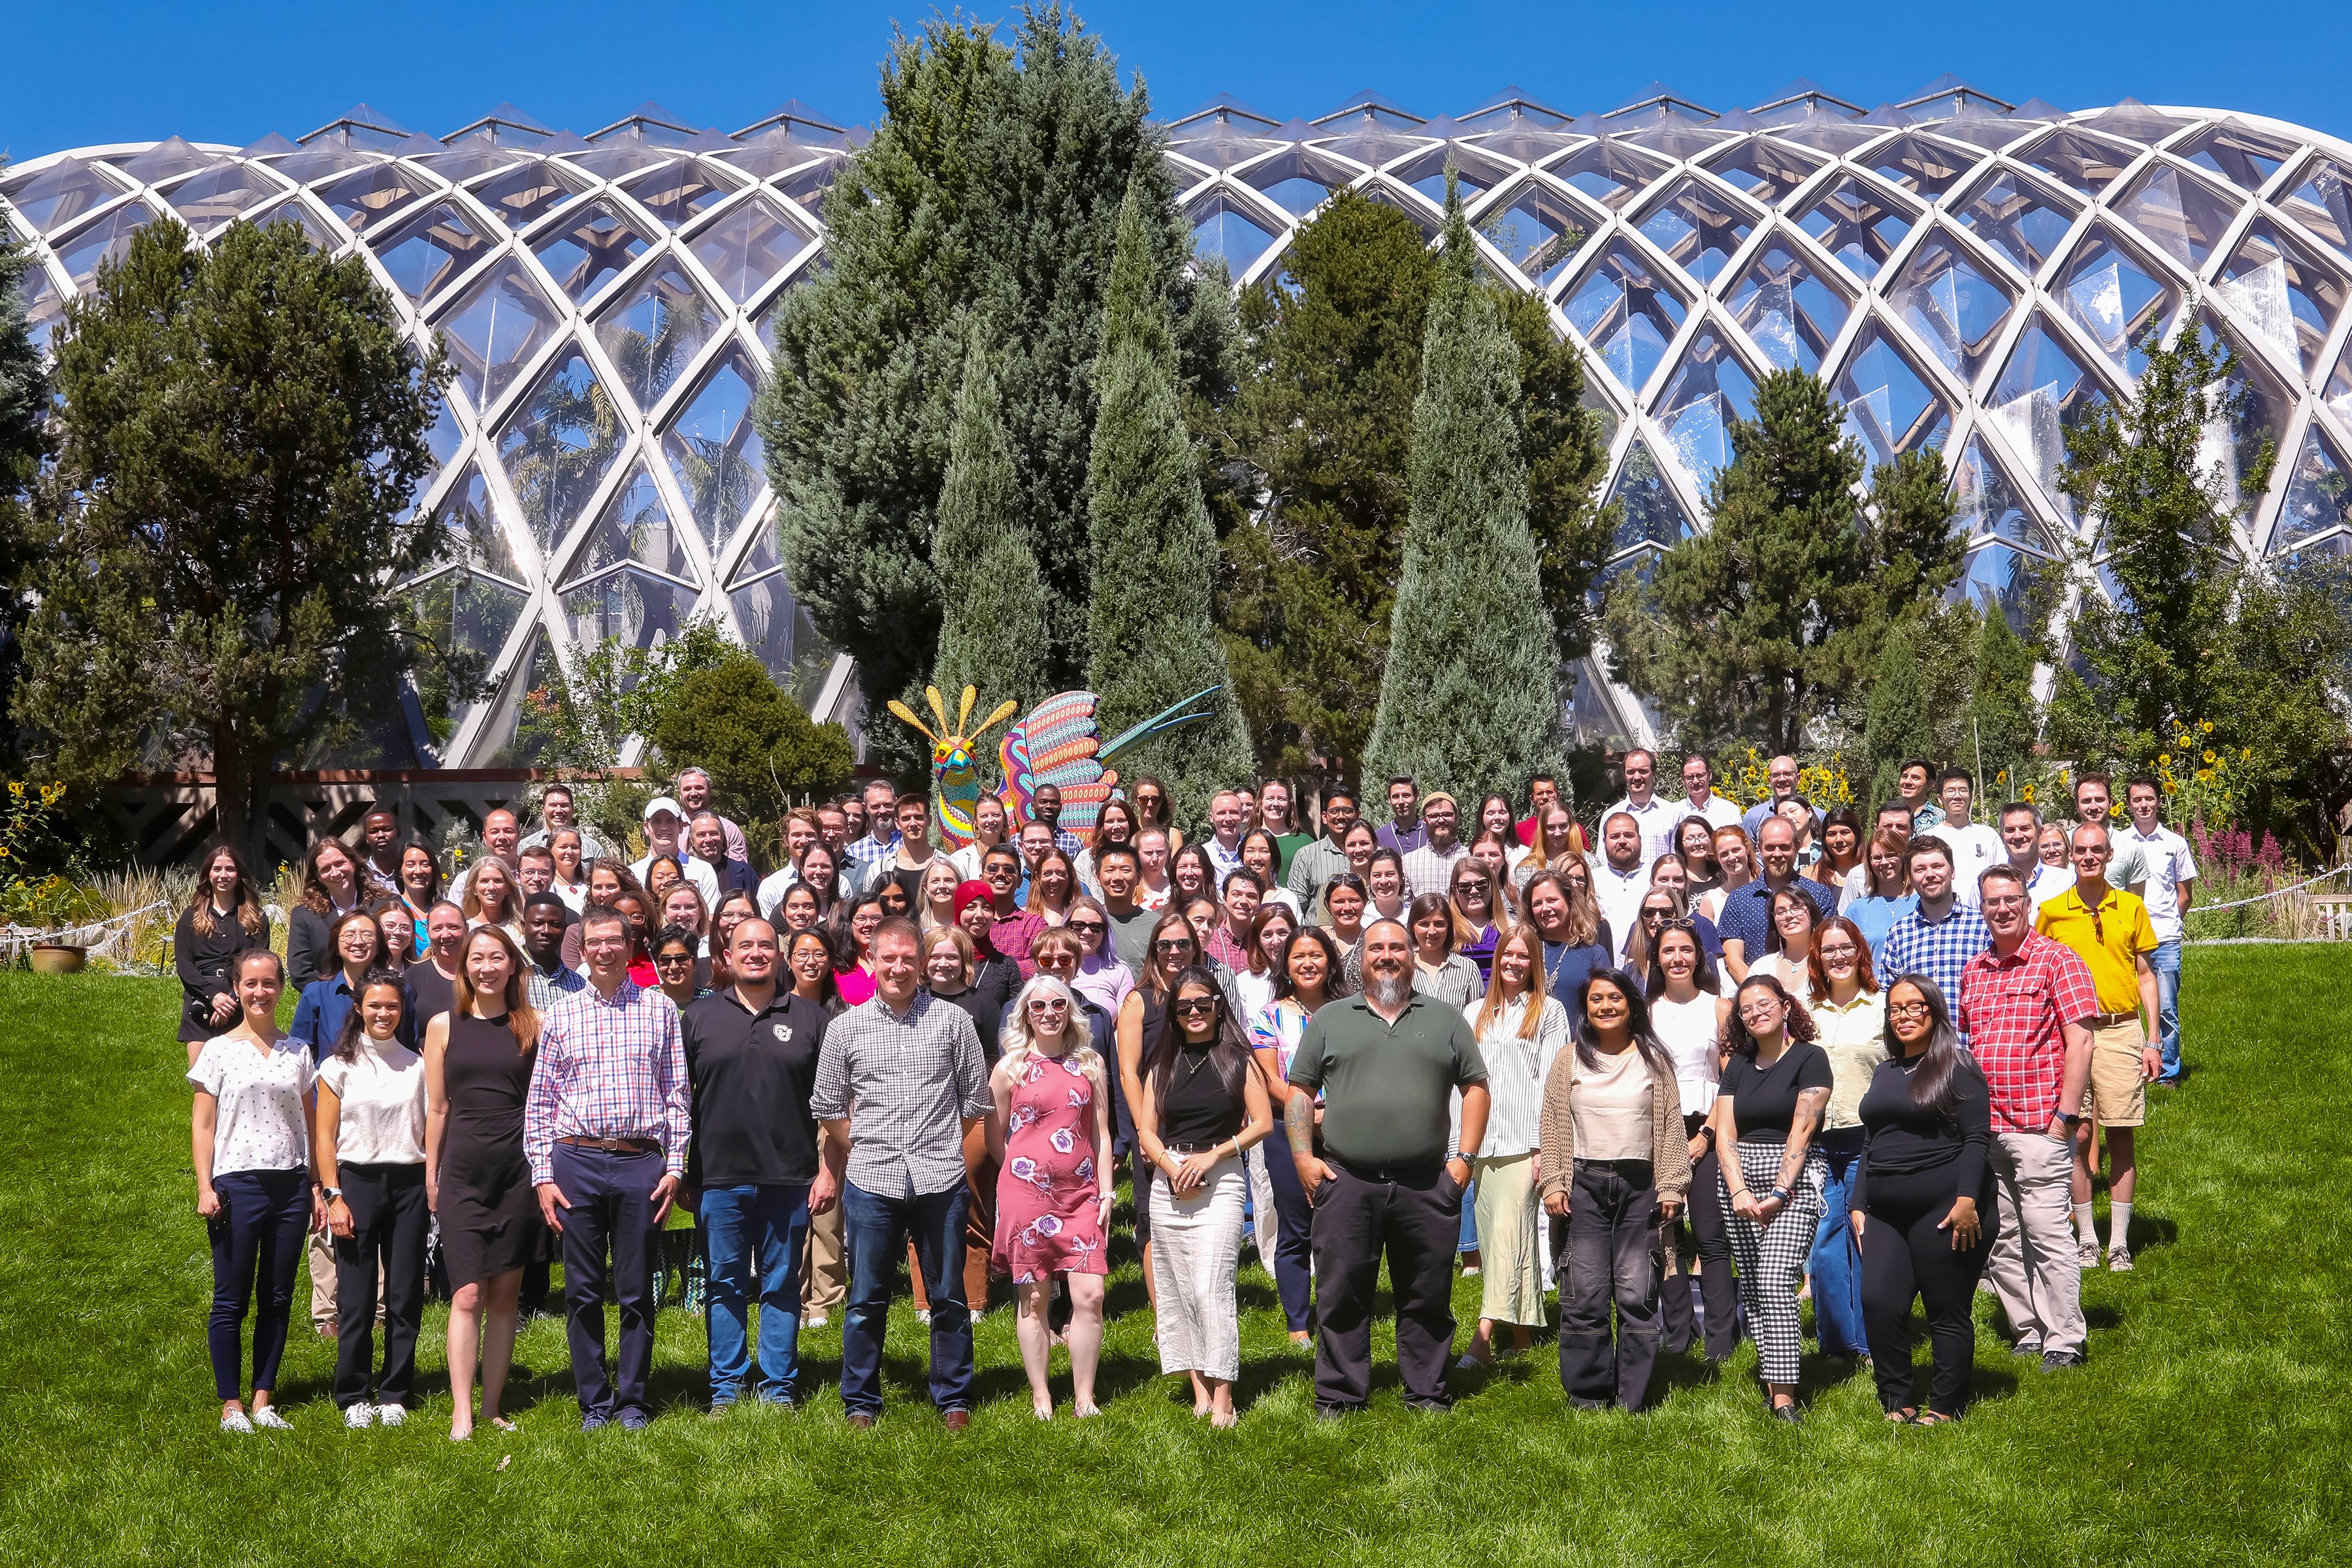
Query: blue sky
102, 71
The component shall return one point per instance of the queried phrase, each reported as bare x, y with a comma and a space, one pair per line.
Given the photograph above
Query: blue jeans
2166, 962
1836, 1263
877, 1230
1468, 1239
753, 1232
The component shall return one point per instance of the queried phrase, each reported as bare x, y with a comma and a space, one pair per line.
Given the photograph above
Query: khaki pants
824, 1284
2034, 1269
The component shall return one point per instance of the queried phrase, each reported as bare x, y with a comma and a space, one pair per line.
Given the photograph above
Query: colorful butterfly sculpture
1056, 744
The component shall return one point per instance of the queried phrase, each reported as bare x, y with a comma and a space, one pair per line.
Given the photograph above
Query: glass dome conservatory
1968, 274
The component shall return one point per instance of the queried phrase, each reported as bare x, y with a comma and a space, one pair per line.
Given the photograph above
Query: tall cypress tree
1897, 728
1151, 626
2000, 713
992, 601
1471, 694
24, 406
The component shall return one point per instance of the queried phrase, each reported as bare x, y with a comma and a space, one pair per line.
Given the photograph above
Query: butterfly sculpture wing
1056, 744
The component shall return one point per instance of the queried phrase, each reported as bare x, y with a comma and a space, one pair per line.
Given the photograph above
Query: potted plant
53, 904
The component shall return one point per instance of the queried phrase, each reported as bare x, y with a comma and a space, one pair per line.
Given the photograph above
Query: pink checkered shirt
608, 1070
2013, 1012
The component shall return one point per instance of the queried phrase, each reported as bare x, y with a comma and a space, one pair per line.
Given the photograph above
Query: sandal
502, 1423
1934, 1418
1907, 1416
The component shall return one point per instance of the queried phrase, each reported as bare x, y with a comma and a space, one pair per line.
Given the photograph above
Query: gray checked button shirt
907, 1082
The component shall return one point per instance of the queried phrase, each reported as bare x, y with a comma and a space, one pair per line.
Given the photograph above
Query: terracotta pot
57, 958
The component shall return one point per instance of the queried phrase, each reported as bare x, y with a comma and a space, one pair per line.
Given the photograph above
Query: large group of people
1686, 1068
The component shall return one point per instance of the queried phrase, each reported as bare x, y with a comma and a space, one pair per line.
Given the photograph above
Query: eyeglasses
1909, 1010
1193, 1007
1048, 1005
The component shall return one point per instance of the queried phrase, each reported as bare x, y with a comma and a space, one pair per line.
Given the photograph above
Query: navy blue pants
612, 1212
256, 1238
1294, 1237
877, 1230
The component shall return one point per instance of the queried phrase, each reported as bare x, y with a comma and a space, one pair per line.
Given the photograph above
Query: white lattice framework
1968, 275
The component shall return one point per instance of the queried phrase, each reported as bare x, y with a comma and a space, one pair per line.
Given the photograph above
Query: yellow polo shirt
2109, 946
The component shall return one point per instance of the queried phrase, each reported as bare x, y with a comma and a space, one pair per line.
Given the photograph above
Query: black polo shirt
750, 1074
1388, 1088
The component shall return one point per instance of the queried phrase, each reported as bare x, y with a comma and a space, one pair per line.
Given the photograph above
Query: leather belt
615, 1145
2109, 1020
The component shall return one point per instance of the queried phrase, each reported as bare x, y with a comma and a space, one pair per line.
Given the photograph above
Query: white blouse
1688, 1030
1516, 1069
260, 1123
382, 1093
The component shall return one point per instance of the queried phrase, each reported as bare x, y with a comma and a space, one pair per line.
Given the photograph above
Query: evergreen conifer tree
1897, 728
1471, 694
2000, 713
1151, 626
992, 599
24, 406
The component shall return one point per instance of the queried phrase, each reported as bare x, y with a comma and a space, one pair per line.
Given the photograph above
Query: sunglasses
671, 960
1171, 944
1194, 1005
1048, 1005
1096, 926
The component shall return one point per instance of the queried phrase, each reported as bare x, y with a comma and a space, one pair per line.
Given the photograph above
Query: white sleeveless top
1687, 1031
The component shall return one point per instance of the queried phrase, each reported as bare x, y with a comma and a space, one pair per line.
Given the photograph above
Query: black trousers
1717, 1289
612, 1212
1412, 1217
1612, 1259
1905, 1255
388, 1220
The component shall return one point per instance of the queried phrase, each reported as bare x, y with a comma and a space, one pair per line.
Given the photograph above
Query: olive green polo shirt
1388, 1088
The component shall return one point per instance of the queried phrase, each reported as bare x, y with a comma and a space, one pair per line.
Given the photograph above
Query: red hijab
966, 895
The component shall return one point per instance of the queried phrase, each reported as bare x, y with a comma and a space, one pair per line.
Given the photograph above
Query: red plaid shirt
2014, 1011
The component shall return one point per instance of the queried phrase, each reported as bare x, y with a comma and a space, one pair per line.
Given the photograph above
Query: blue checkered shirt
1940, 950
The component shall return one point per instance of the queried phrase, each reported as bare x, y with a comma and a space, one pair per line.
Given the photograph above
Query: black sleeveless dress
489, 1215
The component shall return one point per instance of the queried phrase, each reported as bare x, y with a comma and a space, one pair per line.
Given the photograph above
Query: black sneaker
2059, 1360
2026, 1348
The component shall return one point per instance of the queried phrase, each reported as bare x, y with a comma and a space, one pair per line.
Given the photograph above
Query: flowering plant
2199, 779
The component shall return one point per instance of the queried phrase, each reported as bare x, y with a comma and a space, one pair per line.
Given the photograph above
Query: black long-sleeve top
1900, 1139
203, 964
310, 953
986, 998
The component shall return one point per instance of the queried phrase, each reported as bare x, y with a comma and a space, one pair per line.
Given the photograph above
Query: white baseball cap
662, 803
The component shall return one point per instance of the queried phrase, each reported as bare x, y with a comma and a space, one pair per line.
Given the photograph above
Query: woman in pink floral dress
1050, 1135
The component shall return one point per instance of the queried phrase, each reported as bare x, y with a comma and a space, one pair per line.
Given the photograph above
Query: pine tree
24, 406
1151, 624
1897, 728
1470, 697
2000, 712
993, 621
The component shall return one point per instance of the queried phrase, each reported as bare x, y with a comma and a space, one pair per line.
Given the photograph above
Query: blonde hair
509, 907
521, 1017
1531, 1019
952, 936
1018, 1042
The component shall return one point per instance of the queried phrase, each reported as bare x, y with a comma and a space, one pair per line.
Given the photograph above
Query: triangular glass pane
1709, 389
2244, 157
474, 539
442, 437
366, 198
2042, 391
761, 556
683, 192
1888, 406
1426, 172
1987, 506
2319, 494
44, 308
296, 211
631, 607
2087, 163
1538, 229
172, 155
2286, 293
1765, 168
1299, 180
1857, 224
1627, 311
2019, 219
1998, 575
495, 329
2137, 120
1605, 171
108, 239
775, 627
1920, 164
433, 250
319, 160
1373, 143
1787, 310
464, 612
653, 334
1698, 228
59, 194
1221, 228
219, 194
588, 249
808, 186
2115, 300
558, 444
2339, 386
748, 245
634, 528
714, 451
2322, 202
1949, 305
611, 160
2251, 424
1652, 514
2180, 214
529, 189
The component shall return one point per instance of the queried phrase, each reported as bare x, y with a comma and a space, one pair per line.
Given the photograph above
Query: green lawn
2207, 1428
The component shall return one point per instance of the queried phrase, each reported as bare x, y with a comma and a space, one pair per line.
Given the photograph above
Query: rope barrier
2262, 897
103, 933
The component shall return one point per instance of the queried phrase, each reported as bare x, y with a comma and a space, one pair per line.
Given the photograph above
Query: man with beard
1385, 1063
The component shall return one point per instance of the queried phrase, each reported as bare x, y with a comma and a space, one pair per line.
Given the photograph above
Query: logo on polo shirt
783, 1034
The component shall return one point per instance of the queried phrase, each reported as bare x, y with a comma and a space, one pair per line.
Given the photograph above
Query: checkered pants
1772, 1258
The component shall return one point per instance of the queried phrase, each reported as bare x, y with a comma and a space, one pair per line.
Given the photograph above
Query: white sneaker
360, 1416
2087, 1255
390, 1414
2119, 1260
924, 1316
815, 1321
269, 1420
235, 1421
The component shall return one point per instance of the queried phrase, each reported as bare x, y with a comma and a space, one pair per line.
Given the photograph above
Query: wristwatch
2071, 1118
334, 1194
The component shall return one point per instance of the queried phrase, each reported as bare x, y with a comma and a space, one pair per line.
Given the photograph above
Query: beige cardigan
1670, 1146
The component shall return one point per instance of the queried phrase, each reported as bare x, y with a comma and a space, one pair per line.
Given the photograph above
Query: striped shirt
548, 989
915, 1078
608, 1070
